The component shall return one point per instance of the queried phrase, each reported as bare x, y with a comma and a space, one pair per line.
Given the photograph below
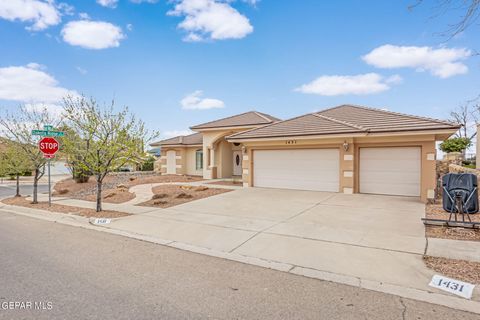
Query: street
80, 274
8, 190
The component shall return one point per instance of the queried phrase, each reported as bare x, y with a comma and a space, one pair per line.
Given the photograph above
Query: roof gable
251, 118
192, 139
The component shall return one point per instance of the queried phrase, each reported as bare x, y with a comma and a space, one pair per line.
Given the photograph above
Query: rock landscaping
166, 196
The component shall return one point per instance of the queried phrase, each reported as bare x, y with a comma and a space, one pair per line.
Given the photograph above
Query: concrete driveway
370, 237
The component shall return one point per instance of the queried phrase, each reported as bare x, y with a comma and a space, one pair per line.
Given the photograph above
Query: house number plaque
291, 142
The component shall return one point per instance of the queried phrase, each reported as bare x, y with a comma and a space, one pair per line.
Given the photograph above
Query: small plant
455, 145
159, 196
158, 202
183, 195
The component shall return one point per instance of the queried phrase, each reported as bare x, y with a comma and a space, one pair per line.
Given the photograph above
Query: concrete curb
405, 292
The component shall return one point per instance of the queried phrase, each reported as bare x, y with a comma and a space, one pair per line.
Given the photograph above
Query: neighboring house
348, 149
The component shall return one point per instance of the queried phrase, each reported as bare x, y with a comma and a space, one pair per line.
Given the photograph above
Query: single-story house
349, 149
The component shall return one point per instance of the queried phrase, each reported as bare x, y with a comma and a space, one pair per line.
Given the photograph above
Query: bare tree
469, 13
100, 140
18, 127
467, 116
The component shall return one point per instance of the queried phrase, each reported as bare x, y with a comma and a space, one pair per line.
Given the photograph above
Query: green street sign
48, 132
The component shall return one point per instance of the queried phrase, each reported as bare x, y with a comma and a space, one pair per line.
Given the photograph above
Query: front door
237, 163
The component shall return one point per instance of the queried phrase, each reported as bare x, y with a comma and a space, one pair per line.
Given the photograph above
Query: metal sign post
48, 146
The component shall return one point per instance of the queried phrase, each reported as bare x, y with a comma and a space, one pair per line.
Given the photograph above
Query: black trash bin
460, 194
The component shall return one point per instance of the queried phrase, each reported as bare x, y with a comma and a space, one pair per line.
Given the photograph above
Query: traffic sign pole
48, 146
49, 185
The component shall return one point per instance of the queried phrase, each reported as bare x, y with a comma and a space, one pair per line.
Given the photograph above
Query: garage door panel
392, 171
303, 169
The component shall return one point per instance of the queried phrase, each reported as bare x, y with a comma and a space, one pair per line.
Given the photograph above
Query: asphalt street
8, 190
74, 273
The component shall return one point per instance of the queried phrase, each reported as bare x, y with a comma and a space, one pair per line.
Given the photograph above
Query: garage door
392, 171
302, 169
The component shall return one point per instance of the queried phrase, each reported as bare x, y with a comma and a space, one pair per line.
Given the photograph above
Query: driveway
371, 237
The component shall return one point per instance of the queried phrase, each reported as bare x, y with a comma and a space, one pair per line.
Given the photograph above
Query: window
199, 160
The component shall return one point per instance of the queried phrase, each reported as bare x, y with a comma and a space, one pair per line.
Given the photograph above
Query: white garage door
393, 171
302, 169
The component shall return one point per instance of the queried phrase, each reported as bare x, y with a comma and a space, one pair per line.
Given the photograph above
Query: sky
178, 63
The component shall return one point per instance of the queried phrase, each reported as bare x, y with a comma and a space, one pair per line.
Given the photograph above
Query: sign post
48, 145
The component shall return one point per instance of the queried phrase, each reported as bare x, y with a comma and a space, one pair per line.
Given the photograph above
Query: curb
404, 292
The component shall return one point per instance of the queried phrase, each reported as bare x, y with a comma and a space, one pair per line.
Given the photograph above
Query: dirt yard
89, 213
172, 195
435, 211
115, 187
467, 271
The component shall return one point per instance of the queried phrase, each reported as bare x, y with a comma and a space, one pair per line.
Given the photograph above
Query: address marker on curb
102, 221
460, 288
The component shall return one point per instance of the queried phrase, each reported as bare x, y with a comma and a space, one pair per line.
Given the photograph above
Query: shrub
159, 196
455, 144
148, 164
184, 195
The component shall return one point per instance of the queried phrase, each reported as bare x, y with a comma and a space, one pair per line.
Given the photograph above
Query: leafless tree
469, 13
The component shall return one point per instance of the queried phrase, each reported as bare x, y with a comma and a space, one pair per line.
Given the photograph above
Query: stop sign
48, 145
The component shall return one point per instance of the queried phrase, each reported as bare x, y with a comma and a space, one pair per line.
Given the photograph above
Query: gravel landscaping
227, 183
84, 212
467, 271
435, 211
115, 187
171, 195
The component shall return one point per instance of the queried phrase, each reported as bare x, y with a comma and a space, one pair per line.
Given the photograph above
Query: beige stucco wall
190, 162
349, 160
222, 165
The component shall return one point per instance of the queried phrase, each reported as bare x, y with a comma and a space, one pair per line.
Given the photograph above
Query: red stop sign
48, 145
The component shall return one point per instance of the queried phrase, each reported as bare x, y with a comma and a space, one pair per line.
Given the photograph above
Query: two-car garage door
303, 169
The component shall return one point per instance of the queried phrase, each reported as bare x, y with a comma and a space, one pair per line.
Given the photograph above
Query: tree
18, 128
15, 162
100, 140
466, 115
458, 144
470, 12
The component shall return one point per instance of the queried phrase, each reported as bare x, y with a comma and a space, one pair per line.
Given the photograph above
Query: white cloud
54, 110
175, 133
108, 3
92, 34
129, 27
30, 84
81, 70
194, 101
361, 84
142, 1
84, 16
42, 14
210, 19
442, 62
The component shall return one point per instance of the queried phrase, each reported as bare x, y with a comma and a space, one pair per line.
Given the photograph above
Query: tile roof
345, 119
192, 139
251, 118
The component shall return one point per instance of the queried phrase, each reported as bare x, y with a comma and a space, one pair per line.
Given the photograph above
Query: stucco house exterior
348, 149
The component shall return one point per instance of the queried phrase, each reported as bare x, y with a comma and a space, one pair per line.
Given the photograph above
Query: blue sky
180, 63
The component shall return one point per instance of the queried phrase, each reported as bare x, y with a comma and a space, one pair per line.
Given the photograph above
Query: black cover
460, 185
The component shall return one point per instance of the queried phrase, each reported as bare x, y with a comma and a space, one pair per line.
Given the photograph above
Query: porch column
212, 165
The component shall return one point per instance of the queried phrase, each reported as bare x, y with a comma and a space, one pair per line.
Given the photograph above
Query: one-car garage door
302, 169
392, 171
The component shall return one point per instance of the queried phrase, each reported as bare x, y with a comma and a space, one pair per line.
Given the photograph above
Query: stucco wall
190, 162
349, 160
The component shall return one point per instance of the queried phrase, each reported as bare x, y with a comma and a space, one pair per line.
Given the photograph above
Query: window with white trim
199, 159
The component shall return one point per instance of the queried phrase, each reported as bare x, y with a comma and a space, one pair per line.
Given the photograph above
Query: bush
455, 145
147, 165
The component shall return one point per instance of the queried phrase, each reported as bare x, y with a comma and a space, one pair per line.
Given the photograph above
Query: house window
199, 160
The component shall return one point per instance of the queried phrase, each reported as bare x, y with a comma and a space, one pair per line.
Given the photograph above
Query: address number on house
291, 142
454, 286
